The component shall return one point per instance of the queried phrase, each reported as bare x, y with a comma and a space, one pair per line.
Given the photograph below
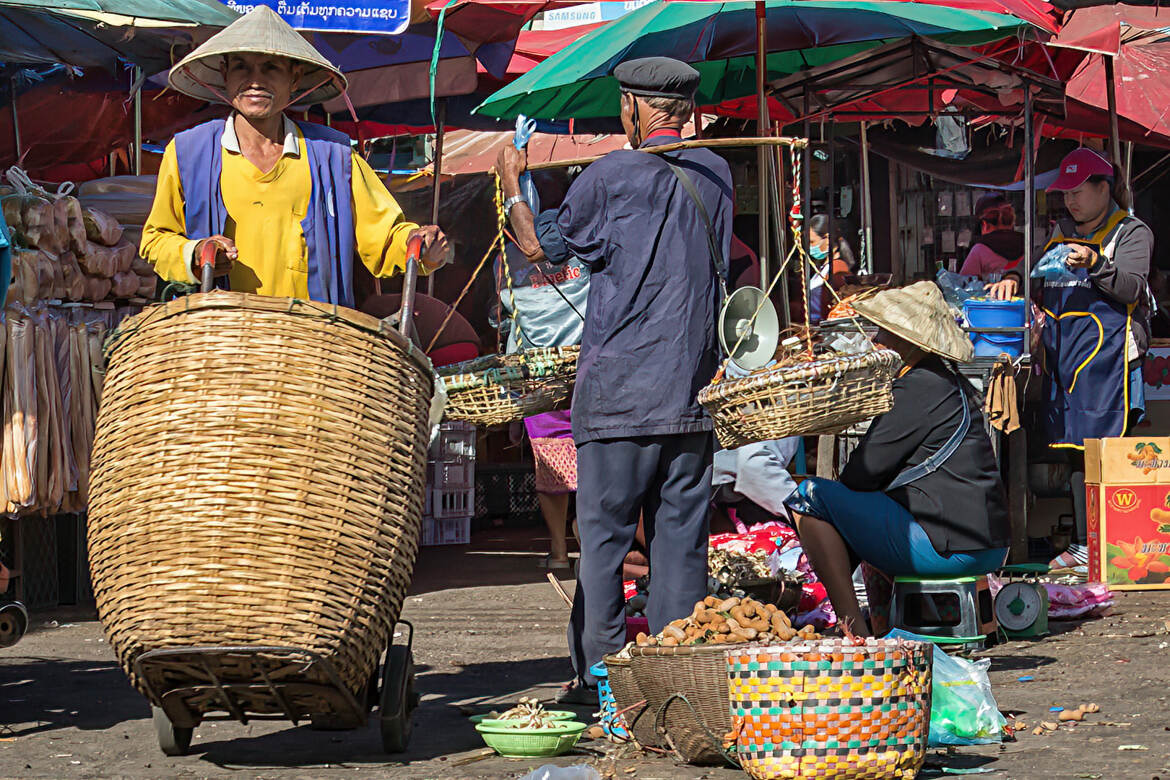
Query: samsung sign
588, 13
350, 16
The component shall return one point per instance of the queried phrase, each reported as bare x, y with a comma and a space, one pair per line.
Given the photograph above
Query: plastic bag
957, 288
962, 708
553, 772
1053, 266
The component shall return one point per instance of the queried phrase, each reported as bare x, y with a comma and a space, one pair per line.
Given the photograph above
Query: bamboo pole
1029, 200
705, 143
763, 129
866, 203
436, 190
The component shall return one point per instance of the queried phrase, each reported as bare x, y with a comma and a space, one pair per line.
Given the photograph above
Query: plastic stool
946, 611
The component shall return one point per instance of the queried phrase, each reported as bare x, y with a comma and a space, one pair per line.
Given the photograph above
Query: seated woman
921, 495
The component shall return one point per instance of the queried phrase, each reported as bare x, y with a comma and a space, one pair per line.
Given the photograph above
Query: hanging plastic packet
1053, 266
525, 127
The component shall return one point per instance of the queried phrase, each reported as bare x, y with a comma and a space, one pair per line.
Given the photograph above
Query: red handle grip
414, 249
207, 265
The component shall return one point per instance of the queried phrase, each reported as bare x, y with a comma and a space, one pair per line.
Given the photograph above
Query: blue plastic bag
957, 288
525, 127
962, 709
1053, 266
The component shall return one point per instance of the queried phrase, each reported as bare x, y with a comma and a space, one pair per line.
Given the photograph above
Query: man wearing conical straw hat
288, 204
921, 495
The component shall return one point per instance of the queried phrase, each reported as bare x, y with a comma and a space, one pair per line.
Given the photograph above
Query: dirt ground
490, 629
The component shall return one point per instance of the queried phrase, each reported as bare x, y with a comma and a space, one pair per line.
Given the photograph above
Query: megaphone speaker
749, 328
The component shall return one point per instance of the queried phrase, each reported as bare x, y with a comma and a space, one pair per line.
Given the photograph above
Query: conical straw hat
919, 314
260, 31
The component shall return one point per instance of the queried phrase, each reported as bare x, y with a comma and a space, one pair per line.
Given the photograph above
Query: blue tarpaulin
387, 17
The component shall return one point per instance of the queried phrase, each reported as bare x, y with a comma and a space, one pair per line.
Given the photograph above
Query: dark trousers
668, 480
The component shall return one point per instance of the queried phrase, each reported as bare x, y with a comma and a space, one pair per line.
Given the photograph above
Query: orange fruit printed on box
1127, 485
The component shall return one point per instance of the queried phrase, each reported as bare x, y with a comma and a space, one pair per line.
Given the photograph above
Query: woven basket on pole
258, 476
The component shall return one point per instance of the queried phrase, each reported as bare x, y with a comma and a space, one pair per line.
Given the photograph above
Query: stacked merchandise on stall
450, 495
75, 276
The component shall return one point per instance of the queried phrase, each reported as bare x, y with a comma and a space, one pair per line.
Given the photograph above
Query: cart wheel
398, 699
173, 740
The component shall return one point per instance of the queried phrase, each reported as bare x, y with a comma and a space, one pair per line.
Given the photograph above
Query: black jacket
962, 506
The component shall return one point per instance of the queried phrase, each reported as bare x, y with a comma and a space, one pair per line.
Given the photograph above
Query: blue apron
1086, 383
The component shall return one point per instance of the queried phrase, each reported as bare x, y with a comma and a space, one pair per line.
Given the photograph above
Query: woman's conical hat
919, 314
260, 31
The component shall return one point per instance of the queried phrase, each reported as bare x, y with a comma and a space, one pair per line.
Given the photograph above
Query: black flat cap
658, 77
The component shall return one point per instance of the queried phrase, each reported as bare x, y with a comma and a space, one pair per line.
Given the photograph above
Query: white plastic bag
553, 772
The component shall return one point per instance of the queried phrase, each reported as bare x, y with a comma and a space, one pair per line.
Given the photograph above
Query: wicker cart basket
257, 479
500, 389
807, 399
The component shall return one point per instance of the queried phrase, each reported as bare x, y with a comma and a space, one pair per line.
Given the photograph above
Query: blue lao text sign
387, 17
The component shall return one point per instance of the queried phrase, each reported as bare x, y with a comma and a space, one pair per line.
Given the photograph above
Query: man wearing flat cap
655, 230
288, 205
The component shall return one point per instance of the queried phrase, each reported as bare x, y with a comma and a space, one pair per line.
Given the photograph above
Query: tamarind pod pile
728, 621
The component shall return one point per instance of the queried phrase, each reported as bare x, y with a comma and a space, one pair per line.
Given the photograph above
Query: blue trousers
666, 479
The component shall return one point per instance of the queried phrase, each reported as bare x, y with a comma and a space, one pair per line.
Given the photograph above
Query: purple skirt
550, 425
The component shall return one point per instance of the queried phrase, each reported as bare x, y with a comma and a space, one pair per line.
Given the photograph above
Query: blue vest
1086, 382
328, 225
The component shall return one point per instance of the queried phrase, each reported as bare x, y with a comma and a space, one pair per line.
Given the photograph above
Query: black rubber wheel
398, 699
172, 740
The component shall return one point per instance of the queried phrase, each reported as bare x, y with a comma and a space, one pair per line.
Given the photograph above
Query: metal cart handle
406, 313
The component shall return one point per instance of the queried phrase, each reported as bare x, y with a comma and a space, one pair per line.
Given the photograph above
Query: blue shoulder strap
935, 461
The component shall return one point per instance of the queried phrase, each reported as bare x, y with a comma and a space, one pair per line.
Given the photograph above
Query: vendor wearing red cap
289, 205
1096, 328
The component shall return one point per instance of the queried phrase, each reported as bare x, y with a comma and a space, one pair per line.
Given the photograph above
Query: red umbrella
1126, 46
490, 21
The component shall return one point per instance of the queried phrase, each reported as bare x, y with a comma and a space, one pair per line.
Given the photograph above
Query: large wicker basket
686, 697
630, 701
257, 479
820, 397
830, 709
500, 389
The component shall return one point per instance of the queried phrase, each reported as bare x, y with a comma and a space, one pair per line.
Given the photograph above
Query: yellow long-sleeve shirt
264, 219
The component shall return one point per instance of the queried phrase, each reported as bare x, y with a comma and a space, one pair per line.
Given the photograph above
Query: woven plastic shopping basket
500, 389
257, 479
831, 709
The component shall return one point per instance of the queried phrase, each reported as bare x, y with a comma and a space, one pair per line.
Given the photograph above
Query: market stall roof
138, 13
39, 33
915, 80
719, 39
535, 46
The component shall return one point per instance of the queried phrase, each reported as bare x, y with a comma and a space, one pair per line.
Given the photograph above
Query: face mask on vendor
260, 86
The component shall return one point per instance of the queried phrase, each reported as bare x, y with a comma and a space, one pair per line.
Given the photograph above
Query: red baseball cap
1076, 168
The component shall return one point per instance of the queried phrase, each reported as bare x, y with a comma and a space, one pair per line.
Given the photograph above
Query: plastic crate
447, 504
452, 530
449, 475
506, 494
456, 442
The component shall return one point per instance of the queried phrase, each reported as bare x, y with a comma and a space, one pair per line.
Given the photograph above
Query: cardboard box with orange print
1127, 482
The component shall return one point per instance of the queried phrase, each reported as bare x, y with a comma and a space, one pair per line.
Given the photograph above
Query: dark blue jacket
649, 344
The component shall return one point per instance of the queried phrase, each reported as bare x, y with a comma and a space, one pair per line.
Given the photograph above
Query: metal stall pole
1114, 132
138, 121
438, 184
15, 121
763, 129
1017, 441
866, 204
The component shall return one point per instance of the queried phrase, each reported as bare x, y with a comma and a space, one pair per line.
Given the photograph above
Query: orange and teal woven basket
831, 709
